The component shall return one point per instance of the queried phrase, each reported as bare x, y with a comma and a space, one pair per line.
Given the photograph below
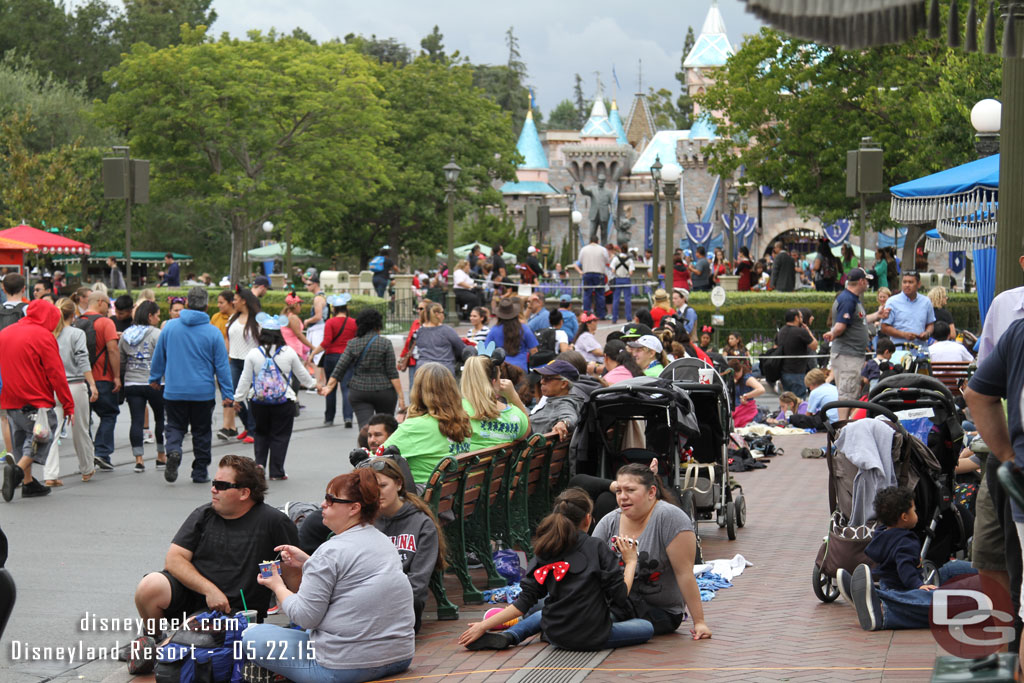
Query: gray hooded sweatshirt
137, 345
415, 539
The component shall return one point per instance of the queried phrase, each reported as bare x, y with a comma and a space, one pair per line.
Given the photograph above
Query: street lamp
733, 200
451, 176
670, 177
268, 227
985, 117
577, 218
655, 242
570, 198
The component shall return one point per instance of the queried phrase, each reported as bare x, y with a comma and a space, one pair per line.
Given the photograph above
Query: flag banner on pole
698, 233
838, 232
649, 226
957, 261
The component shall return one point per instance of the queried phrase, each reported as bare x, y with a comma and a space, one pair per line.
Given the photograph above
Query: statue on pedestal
600, 206
624, 227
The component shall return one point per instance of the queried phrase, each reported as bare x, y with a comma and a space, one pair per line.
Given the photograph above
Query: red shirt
102, 371
31, 369
657, 313
338, 332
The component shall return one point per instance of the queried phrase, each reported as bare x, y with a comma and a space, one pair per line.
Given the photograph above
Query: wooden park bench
953, 375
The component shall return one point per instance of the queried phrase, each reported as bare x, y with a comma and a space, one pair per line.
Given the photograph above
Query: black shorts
184, 600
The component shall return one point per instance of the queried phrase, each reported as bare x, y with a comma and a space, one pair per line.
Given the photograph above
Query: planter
730, 283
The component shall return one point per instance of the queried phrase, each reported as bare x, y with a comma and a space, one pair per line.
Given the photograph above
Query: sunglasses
378, 465
331, 500
225, 485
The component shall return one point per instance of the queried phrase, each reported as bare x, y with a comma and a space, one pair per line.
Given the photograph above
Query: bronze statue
600, 206
624, 227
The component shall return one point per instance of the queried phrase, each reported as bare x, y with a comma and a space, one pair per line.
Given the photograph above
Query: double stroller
912, 405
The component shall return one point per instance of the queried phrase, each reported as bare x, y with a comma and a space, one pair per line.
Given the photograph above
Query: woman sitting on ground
437, 425
665, 538
747, 389
586, 597
412, 527
359, 635
494, 421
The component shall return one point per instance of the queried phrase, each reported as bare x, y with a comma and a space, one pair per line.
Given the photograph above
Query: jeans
622, 291
242, 410
272, 433
593, 288
285, 651
623, 633
330, 361
904, 608
794, 381
199, 415
380, 284
137, 397
369, 403
107, 410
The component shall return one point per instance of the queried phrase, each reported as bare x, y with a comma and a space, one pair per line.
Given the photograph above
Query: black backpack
11, 314
87, 323
771, 365
545, 348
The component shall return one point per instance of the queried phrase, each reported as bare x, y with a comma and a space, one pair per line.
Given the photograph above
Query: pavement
77, 555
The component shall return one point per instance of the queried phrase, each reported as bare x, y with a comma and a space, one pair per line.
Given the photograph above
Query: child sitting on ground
880, 366
789, 405
587, 605
902, 599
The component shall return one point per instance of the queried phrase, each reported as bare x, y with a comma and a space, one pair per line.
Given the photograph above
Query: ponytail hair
647, 479
556, 533
359, 486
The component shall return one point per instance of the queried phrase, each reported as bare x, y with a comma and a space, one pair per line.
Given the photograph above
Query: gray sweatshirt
415, 538
74, 353
340, 600
557, 409
137, 345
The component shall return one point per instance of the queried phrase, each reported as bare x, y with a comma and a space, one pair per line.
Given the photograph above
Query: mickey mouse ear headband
495, 353
339, 300
271, 322
708, 329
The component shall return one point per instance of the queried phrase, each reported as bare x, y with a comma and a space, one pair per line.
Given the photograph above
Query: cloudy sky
557, 38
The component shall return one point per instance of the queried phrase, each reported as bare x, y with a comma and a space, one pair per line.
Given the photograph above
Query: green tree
564, 116
663, 109
433, 45
582, 104
251, 130
384, 50
158, 22
505, 84
790, 110
684, 105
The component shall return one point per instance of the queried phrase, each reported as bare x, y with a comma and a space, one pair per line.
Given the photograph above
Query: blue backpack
270, 386
377, 264
205, 653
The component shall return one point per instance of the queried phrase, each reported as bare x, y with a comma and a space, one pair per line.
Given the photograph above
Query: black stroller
915, 466
706, 488
635, 421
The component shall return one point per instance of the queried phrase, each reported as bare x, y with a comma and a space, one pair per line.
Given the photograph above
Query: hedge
271, 302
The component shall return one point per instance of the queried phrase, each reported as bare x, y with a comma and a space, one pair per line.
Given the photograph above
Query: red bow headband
559, 568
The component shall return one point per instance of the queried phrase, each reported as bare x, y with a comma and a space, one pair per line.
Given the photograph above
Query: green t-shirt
423, 445
654, 370
510, 425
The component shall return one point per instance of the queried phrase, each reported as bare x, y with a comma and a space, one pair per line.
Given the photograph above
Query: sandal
87, 477
54, 482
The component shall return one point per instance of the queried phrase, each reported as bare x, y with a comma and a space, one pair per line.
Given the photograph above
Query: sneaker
160, 464
283, 477
141, 656
812, 453
102, 465
201, 479
171, 470
225, 434
139, 467
34, 489
328, 423
348, 424
243, 435
248, 439
12, 477
9, 459
491, 641
865, 599
149, 438
844, 580
273, 609
473, 562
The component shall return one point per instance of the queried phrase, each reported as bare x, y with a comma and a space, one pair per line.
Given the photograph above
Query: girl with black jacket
587, 605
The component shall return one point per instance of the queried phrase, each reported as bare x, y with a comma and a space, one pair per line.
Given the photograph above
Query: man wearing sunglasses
215, 556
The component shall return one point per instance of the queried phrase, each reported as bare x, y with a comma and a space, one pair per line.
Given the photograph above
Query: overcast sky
556, 38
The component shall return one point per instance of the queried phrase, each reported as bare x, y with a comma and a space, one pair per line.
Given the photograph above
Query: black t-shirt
122, 325
944, 315
793, 341
498, 264
534, 265
228, 552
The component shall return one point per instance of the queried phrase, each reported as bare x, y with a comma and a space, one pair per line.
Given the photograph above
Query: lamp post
577, 218
124, 149
733, 200
570, 197
268, 227
985, 117
451, 176
670, 177
656, 237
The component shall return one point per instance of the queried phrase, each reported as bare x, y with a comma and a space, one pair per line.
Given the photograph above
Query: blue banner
957, 261
698, 233
649, 227
838, 232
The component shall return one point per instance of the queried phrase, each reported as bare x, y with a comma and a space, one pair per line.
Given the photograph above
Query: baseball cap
531, 249
634, 331
856, 275
565, 299
261, 280
648, 341
560, 368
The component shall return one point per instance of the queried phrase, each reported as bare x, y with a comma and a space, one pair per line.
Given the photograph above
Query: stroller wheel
730, 520
740, 504
825, 588
930, 572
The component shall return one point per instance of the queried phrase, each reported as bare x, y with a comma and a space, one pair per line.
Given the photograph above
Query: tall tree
158, 22
564, 116
256, 129
684, 105
433, 45
582, 105
384, 50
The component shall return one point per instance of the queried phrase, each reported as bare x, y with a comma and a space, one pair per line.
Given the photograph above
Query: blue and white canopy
966, 190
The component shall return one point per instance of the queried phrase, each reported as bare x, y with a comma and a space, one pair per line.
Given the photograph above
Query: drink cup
269, 567
250, 615
705, 375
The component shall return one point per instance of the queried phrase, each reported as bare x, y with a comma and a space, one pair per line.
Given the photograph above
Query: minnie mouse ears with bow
271, 322
707, 329
495, 353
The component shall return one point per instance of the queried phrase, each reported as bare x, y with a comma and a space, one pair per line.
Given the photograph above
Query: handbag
403, 362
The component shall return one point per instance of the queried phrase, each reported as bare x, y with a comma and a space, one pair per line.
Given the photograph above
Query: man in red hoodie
32, 372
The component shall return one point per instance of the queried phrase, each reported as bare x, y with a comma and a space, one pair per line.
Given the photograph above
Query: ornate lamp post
985, 117
570, 197
656, 180
268, 227
670, 177
733, 200
451, 176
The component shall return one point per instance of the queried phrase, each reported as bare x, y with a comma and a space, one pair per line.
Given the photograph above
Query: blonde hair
938, 296
435, 393
146, 295
790, 398
884, 290
99, 287
815, 377
67, 309
463, 264
478, 390
661, 300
